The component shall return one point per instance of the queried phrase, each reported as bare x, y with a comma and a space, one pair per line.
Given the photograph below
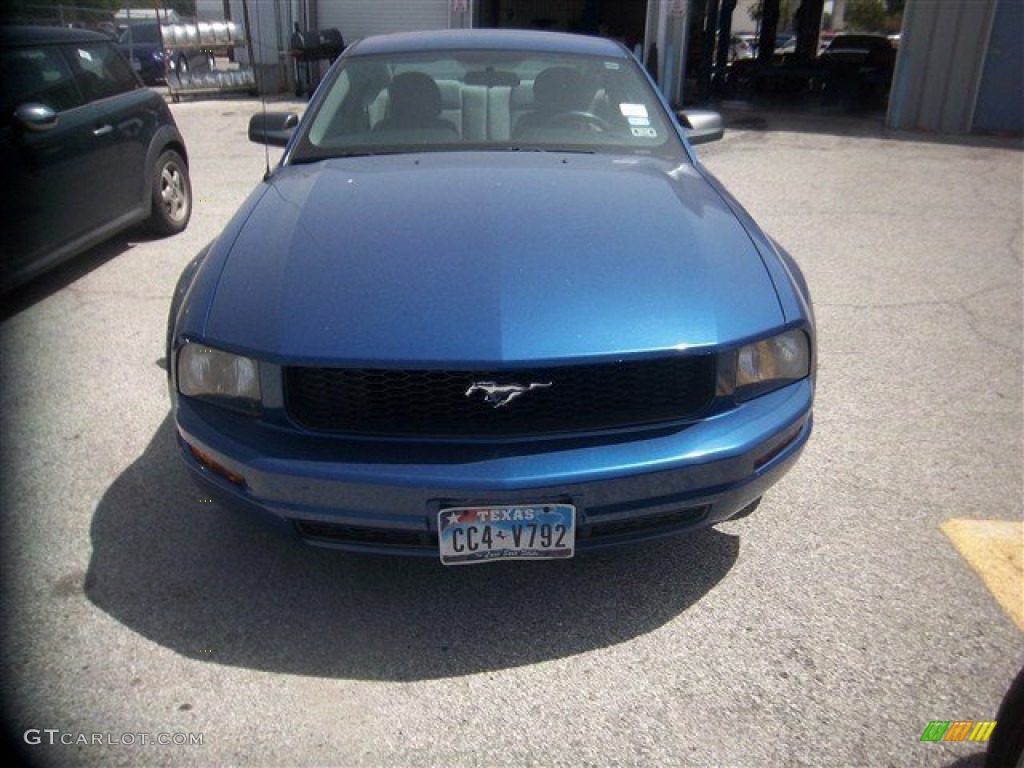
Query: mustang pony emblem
500, 395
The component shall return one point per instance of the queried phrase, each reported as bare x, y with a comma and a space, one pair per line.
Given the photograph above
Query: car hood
462, 258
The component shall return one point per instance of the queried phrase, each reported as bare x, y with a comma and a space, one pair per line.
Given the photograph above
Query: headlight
220, 377
772, 363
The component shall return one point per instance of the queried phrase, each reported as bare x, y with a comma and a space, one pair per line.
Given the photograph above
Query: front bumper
384, 497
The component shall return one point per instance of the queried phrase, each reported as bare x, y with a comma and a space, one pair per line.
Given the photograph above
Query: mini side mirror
35, 117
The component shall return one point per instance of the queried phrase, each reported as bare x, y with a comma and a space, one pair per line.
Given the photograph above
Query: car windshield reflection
480, 100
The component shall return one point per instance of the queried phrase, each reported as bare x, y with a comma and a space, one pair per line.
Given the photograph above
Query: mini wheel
172, 195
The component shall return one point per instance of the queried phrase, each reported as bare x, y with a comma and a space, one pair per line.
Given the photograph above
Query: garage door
1000, 104
361, 18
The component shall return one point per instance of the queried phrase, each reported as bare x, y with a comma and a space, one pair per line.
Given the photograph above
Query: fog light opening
220, 470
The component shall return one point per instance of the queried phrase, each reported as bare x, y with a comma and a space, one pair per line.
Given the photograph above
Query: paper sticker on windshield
633, 110
644, 133
639, 121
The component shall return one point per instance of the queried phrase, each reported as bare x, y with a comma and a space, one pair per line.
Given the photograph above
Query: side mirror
35, 117
701, 125
275, 128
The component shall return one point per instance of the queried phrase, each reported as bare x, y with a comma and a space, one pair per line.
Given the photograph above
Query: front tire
172, 195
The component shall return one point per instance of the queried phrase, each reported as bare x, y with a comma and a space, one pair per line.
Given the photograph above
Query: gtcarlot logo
958, 730
35, 736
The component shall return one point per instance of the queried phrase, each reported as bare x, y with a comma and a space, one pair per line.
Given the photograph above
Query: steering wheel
579, 117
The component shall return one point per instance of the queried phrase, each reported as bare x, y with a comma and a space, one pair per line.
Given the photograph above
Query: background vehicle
87, 150
863, 50
140, 42
739, 48
857, 69
854, 70
783, 42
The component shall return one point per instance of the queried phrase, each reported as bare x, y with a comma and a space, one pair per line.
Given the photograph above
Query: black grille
432, 403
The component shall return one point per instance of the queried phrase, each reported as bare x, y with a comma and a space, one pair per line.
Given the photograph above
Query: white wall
742, 24
209, 10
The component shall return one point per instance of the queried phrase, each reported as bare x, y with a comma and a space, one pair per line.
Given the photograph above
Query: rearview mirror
275, 128
701, 125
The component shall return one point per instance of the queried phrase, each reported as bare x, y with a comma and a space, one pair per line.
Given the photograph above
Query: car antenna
258, 80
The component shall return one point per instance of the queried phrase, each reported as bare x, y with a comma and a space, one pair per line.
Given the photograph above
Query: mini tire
172, 195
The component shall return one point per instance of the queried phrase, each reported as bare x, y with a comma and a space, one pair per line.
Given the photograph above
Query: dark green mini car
87, 150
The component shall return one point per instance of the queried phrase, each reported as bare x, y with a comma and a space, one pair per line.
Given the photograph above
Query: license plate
471, 535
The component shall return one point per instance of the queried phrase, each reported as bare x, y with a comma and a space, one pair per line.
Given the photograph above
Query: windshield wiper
316, 158
565, 150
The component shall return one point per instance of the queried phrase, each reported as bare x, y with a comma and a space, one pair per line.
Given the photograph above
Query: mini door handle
103, 130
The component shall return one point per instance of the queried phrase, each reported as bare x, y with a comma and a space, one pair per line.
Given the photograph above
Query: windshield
445, 100
851, 42
140, 33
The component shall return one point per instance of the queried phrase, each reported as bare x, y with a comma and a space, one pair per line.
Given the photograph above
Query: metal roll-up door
361, 18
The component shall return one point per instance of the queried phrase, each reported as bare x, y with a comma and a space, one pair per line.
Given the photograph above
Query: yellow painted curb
995, 550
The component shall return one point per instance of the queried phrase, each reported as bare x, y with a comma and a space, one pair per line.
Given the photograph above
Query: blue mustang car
489, 306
